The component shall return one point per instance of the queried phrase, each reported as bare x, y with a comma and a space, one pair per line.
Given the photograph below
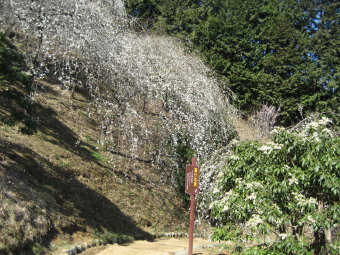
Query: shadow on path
71, 206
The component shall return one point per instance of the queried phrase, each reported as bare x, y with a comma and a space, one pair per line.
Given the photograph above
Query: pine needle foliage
280, 53
16, 86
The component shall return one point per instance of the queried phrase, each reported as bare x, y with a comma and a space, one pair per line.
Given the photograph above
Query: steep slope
58, 181
113, 117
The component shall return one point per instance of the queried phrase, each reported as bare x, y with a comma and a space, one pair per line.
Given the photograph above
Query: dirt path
159, 247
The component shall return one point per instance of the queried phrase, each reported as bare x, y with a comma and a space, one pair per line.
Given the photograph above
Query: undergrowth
16, 87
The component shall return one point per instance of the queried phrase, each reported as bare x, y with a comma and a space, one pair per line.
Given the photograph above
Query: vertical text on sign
192, 179
195, 177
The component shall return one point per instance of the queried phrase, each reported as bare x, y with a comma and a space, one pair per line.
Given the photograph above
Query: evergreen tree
145, 10
279, 52
325, 51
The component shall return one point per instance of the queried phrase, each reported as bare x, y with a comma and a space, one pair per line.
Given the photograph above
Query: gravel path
159, 247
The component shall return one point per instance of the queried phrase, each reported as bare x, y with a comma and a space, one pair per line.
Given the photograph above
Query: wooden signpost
192, 188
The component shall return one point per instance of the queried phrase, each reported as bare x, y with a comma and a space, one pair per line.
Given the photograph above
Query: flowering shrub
288, 188
146, 88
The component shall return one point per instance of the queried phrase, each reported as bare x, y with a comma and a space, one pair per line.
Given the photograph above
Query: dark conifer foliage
279, 52
16, 87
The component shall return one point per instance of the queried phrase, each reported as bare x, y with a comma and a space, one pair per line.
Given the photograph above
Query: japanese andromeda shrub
288, 187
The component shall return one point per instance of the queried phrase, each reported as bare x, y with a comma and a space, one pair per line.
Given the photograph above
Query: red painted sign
192, 178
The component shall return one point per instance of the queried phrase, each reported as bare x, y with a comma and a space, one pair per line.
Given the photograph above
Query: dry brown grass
57, 181
259, 125
248, 131
21, 220
265, 118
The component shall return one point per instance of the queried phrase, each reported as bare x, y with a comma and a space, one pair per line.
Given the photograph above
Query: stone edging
80, 248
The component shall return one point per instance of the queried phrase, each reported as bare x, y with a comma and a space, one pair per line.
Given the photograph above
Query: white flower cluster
88, 43
327, 131
324, 121
283, 236
216, 190
312, 125
224, 202
293, 180
234, 157
239, 181
310, 219
251, 185
234, 141
269, 147
315, 124
303, 201
316, 137
211, 183
312, 130
254, 221
248, 185
277, 130
252, 196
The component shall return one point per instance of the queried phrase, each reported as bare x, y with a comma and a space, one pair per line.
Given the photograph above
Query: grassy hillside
59, 180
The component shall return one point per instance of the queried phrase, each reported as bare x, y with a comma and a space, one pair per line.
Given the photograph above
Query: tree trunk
321, 236
319, 241
328, 235
296, 229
